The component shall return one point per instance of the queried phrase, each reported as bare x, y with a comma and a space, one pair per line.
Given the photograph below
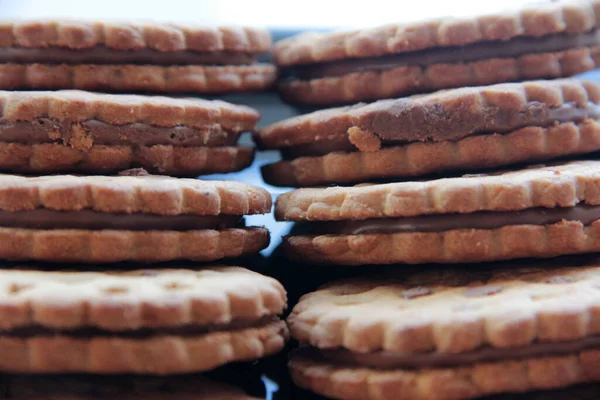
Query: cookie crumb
364, 140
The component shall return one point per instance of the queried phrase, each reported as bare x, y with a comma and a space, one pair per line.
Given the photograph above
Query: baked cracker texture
44, 314
562, 185
169, 160
459, 129
164, 37
443, 115
562, 19
530, 144
76, 131
139, 78
153, 195
160, 38
449, 312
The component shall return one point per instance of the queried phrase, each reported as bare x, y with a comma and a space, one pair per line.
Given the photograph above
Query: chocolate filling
319, 148
443, 55
104, 55
439, 127
92, 220
389, 360
585, 214
46, 130
186, 330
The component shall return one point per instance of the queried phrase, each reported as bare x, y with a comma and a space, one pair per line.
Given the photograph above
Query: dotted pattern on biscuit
129, 300
415, 159
158, 355
109, 246
406, 80
125, 194
450, 311
75, 106
473, 381
163, 37
159, 159
535, 20
435, 109
139, 78
560, 185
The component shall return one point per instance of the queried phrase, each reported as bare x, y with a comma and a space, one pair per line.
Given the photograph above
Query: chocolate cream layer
93, 220
186, 330
389, 360
444, 222
104, 55
46, 130
501, 120
447, 55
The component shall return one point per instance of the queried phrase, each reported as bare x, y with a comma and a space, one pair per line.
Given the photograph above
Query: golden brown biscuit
83, 132
128, 218
145, 321
550, 40
461, 129
132, 57
542, 211
449, 334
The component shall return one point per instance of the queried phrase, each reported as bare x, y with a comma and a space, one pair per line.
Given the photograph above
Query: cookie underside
472, 153
467, 246
350, 383
160, 355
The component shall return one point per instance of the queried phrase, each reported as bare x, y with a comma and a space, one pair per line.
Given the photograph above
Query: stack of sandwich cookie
550, 40
127, 328
142, 322
541, 211
133, 57
460, 129
92, 219
83, 132
130, 208
449, 334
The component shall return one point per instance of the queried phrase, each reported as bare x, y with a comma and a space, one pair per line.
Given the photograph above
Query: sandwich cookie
449, 335
550, 40
133, 57
99, 219
142, 322
459, 129
543, 211
83, 132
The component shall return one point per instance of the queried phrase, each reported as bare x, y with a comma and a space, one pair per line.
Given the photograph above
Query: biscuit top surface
535, 20
211, 296
119, 35
452, 310
560, 185
117, 109
132, 194
444, 115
